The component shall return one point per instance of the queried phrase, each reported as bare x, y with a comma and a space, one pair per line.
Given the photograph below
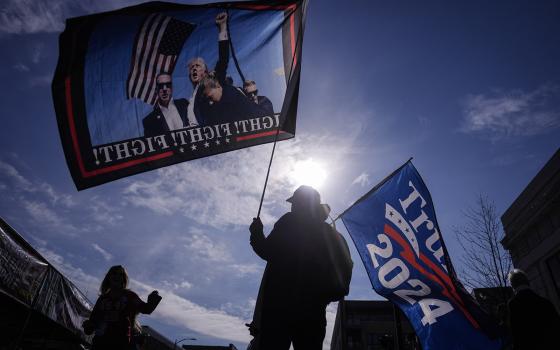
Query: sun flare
309, 172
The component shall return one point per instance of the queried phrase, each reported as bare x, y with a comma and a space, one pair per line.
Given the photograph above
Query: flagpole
268, 170
297, 46
375, 188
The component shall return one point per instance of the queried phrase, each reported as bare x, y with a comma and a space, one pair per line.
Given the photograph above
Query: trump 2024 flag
160, 83
395, 230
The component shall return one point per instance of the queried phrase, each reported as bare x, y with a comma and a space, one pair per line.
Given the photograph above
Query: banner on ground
396, 233
160, 83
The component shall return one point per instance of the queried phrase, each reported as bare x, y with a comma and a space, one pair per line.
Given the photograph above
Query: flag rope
233, 51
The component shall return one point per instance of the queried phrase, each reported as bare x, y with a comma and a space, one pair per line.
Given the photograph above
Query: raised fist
221, 19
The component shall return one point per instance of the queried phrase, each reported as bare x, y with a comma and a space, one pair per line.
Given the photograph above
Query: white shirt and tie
190, 109
172, 116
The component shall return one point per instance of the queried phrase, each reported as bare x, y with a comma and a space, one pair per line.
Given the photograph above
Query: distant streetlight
178, 341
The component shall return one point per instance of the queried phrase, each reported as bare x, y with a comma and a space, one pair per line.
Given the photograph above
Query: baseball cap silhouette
305, 193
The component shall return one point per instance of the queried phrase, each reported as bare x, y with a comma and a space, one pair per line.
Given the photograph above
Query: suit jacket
155, 123
233, 106
534, 321
200, 101
265, 105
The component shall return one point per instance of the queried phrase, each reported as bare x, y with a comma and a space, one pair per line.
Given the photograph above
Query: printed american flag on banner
157, 46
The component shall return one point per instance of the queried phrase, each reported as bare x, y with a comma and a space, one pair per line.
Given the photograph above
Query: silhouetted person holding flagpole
114, 315
308, 266
534, 321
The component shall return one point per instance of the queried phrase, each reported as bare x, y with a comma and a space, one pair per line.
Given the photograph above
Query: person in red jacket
114, 314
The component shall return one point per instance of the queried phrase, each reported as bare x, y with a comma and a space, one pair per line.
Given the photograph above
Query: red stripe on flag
293, 35
266, 7
85, 173
256, 136
408, 255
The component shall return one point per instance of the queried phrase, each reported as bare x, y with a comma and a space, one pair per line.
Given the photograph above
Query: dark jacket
302, 255
265, 104
534, 321
233, 106
220, 71
155, 124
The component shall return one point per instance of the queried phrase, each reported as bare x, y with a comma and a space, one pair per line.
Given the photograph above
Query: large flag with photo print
396, 233
160, 83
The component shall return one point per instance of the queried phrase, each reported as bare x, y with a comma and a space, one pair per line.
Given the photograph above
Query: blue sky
470, 90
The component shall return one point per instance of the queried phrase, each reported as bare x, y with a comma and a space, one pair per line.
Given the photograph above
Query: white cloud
183, 286
20, 67
246, 269
12, 173
29, 16
185, 313
515, 113
362, 180
43, 215
37, 16
37, 52
106, 255
203, 247
103, 212
26, 185
41, 80
244, 310
225, 189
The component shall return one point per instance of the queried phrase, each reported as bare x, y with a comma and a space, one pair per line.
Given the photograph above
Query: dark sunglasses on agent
164, 85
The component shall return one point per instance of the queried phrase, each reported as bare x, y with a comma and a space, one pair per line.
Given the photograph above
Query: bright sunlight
309, 172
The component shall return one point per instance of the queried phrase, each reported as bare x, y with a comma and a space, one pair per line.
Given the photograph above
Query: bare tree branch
485, 262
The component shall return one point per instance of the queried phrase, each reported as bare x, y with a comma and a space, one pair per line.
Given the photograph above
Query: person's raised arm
150, 306
221, 22
223, 47
257, 239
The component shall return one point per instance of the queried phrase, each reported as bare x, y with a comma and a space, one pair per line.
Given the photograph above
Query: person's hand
221, 20
256, 226
154, 297
87, 325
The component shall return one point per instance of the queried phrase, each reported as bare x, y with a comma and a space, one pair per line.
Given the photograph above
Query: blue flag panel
395, 231
160, 83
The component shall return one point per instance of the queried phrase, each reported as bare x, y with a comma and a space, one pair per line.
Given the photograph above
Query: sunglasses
164, 85
253, 93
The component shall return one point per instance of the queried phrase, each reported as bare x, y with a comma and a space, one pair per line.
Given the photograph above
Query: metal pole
268, 171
